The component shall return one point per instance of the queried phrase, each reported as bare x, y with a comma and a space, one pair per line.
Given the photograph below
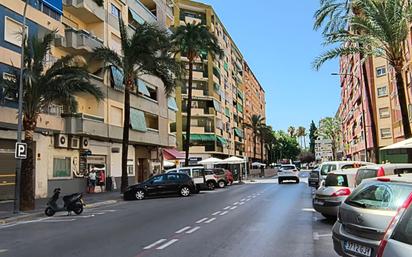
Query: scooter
72, 203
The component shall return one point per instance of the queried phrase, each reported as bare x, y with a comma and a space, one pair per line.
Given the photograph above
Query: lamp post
363, 110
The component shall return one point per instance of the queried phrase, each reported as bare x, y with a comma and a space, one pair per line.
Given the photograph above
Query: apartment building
255, 104
218, 91
323, 150
70, 144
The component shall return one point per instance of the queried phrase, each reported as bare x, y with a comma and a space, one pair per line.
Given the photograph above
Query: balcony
78, 40
85, 124
143, 11
87, 10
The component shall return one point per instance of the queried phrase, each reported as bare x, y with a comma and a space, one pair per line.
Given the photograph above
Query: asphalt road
262, 219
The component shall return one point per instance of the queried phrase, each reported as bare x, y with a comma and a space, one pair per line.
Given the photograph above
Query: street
261, 219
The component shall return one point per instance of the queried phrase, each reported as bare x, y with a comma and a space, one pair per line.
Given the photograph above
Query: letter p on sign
20, 151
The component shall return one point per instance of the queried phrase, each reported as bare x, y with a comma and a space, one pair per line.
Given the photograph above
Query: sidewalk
91, 200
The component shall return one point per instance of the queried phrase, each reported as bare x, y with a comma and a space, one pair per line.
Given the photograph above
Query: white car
288, 172
202, 179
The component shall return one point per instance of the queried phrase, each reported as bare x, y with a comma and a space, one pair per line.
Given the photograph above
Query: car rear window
219, 172
288, 167
336, 180
326, 168
381, 196
403, 231
364, 174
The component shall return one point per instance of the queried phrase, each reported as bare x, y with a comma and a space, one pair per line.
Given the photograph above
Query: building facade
68, 145
218, 91
255, 104
323, 150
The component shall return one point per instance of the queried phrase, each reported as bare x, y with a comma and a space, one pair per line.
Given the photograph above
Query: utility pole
20, 114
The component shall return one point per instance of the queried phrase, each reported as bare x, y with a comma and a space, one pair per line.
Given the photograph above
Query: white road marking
200, 221
3, 250
236, 203
53, 221
243, 199
308, 209
182, 230
210, 220
167, 244
227, 207
241, 203
247, 200
234, 207
316, 235
192, 230
216, 213
154, 244
223, 213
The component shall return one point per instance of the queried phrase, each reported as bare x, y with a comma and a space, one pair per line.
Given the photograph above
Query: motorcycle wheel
78, 209
49, 212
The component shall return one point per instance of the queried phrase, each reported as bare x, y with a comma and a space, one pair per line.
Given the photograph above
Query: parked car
202, 179
367, 212
220, 176
327, 167
397, 241
379, 170
337, 187
229, 177
288, 172
313, 180
170, 183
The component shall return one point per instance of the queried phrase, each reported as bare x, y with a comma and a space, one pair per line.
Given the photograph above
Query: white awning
400, 145
210, 161
233, 160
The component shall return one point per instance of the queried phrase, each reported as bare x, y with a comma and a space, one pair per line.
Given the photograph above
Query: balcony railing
88, 10
78, 40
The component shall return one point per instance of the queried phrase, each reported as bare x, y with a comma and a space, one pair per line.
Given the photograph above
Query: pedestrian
92, 180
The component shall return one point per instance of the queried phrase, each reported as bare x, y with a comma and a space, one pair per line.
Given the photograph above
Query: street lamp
363, 110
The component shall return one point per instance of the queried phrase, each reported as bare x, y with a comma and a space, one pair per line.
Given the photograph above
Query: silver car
337, 186
398, 238
367, 212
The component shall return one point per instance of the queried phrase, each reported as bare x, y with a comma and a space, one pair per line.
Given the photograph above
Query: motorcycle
71, 203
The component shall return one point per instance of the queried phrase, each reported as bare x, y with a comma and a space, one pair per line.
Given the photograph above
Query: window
336, 180
172, 177
380, 71
382, 91
12, 31
158, 179
130, 169
61, 167
384, 112
116, 116
115, 11
152, 92
116, 43
152, 121
364, 174
327, 168
386, 133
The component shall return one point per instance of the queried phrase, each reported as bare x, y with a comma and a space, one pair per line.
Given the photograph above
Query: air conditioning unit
74, 142
84, 144
61, 141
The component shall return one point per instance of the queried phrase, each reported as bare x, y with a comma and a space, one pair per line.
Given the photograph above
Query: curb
29, 216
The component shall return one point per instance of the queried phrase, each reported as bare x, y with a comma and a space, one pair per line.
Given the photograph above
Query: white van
202, 179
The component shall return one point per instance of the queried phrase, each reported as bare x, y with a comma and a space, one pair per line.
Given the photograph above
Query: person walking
92, 180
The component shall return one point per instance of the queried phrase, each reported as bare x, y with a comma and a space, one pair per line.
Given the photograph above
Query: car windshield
288, 167
326, 168
335, 180
364, 174
403, 231
382, 196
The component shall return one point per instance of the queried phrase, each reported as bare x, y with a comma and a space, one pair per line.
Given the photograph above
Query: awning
173, 154
227, 112
137, 120
216, 104
171, 103
400, 145
217, 87
240, 94
239, 107
142, 88
239, 132
136, 17
117, 76
221, 140
201, 137
210, 161
233, 160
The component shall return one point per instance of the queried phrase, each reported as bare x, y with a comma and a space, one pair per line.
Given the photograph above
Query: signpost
20, 151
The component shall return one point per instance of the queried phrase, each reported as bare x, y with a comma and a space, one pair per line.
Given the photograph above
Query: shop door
7, 171
140, 170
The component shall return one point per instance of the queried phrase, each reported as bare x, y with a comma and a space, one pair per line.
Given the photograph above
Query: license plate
318, 202
356, 248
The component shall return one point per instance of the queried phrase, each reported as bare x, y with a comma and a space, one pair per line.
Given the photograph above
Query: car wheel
185, 191
210, 185
280, 181
49, 212
221, 184
78, 210
139, 195
329, 217
297, 181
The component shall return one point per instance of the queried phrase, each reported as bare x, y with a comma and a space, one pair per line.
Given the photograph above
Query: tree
292, 131
60, 83
193, 41
312, 137
379, 30
306, 157
147, 51
264, 133
329, 128
256, 122
285, 147
301, 134
270, 141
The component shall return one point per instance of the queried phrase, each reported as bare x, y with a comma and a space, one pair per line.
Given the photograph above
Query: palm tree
329, 128
264, 133
301, 133
193, 41
292, 131
380, 30
58, 84
256, 122
270, 141
335, 16
147, 51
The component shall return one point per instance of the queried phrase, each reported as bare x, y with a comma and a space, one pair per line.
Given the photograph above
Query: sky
277, 39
